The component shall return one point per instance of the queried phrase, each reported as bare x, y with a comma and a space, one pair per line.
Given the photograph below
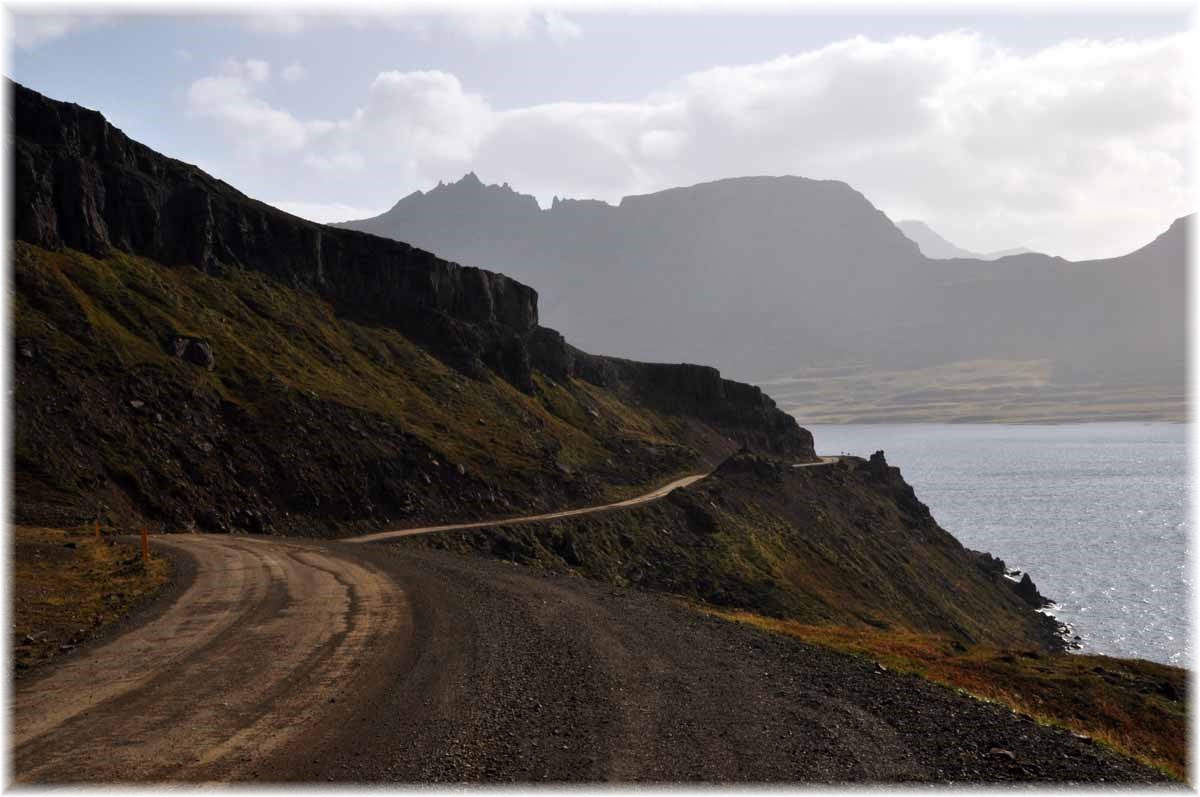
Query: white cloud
293, 72
258, 71
29, 31
560, 29
1078, 149
256, 127
424, 115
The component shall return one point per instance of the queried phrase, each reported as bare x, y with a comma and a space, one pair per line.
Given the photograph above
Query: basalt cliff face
82, 184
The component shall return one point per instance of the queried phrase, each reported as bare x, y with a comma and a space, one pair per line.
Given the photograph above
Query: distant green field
1009, 391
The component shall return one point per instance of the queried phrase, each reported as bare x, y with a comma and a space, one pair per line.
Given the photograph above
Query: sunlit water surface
1095, 512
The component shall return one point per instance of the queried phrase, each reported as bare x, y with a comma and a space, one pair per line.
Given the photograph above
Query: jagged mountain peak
466, 194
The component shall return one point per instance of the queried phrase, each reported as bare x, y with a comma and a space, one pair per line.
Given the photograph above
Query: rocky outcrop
193, 350
1028, 592
742, 411
81, 183
1024, 588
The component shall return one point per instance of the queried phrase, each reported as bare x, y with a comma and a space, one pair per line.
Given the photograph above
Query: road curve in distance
654, 495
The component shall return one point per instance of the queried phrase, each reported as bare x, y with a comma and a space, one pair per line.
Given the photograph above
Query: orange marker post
145, 547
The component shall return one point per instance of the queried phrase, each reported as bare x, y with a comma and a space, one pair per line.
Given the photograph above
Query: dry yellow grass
1136, 707
67, 585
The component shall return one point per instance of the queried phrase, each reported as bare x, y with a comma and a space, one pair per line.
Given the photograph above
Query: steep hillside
190, 356
771, 277
847, 544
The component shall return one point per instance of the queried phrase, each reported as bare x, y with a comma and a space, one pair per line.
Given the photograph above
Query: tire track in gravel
228, 673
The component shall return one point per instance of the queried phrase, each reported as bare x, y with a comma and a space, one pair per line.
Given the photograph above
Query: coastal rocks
992, 565
1024, 587
1028, 592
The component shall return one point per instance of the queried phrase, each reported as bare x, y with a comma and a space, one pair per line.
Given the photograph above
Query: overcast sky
1067, 133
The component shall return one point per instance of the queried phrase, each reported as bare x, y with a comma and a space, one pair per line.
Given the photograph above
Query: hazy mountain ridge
767, 276
615, 274
937, 247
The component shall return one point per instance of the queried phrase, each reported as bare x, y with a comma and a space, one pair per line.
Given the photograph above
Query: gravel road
291, 661
241, 662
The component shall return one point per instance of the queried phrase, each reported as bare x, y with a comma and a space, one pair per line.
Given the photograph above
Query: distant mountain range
936, 247
775, 276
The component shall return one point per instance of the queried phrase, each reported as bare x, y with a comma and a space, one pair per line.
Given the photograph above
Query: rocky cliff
742, 411
82, 184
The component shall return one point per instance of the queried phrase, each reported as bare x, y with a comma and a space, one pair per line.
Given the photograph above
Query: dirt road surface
278, 660
242, 661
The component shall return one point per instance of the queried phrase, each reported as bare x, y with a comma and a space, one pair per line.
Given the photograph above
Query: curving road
238, 665
281, 660
654, 495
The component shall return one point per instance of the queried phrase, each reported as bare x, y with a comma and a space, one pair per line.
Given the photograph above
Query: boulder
196, 351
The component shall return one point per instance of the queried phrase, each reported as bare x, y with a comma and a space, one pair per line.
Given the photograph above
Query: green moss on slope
847, 544
306, 422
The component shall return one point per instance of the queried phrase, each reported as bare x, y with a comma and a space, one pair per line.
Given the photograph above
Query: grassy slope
306, 422
67, 585
1136, 707
843, 545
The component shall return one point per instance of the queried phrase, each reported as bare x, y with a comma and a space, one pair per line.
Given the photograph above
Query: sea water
1096, 513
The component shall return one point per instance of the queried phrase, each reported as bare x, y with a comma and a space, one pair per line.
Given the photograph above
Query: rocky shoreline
1057, 634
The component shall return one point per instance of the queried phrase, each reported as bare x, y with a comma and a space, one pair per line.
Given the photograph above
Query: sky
1067, 132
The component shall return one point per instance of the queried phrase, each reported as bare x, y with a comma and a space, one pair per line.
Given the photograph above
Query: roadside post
145, 547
